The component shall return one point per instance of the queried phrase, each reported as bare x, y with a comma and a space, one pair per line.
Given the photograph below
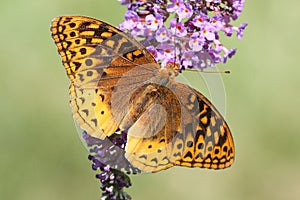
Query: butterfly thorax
165, 76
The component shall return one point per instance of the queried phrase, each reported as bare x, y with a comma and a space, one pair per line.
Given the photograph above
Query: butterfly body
116, 85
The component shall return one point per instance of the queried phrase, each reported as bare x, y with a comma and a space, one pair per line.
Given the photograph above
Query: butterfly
117, 85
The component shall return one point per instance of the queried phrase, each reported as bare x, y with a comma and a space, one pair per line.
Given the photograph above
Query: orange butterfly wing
96, 56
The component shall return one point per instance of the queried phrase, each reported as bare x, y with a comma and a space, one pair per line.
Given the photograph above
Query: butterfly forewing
96, 55
210, 144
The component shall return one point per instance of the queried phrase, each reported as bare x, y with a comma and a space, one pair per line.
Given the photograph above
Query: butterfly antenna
209, 72
174, 65
177, 20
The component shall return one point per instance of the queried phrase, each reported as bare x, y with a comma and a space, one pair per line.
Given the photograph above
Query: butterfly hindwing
153, 128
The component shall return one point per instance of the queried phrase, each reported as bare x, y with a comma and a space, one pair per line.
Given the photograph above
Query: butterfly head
167, 74
174, 66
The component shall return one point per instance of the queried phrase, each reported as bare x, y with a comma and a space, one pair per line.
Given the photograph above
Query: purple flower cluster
110, 152
108, 156
184, 32
112, 181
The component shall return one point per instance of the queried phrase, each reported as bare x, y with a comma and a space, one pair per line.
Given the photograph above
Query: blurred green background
42, 156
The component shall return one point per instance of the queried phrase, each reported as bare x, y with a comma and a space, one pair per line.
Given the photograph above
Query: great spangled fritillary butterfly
116, 84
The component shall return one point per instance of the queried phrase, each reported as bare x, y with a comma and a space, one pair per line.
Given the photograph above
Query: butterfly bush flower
186, 32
